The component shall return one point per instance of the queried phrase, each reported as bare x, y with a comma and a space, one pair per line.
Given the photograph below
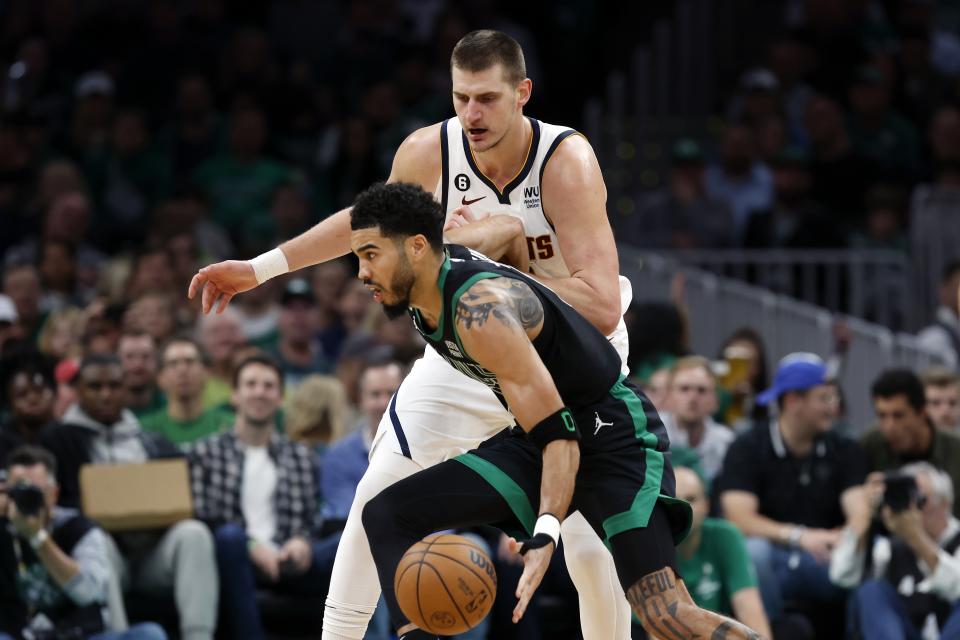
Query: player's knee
585, 555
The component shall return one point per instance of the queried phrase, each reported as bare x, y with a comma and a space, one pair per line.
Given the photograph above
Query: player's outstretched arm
324, 241
417, 160
574, 199
496, 321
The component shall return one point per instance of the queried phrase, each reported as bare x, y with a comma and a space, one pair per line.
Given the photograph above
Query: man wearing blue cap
789, 485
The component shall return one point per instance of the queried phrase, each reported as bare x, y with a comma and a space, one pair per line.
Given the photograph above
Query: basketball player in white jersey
517, 190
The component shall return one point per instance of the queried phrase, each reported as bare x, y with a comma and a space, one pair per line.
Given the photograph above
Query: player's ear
524, 89
417, 246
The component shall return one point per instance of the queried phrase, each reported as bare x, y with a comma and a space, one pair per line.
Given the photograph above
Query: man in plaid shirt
257, 491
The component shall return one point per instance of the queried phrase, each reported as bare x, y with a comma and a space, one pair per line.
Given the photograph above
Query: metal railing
874, 285
717, 306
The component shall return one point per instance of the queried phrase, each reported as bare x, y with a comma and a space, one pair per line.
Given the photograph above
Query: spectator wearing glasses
691, 401
183, 377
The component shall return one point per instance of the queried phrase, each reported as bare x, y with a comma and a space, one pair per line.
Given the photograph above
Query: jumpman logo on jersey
600, 423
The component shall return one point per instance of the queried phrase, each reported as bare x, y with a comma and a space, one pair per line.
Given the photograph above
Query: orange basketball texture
445, 584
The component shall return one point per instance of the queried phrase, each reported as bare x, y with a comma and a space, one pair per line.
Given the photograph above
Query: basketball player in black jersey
554, 370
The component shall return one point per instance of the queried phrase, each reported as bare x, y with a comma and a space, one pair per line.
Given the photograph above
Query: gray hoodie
117, 443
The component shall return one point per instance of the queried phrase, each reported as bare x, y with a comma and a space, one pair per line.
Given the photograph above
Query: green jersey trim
516, 498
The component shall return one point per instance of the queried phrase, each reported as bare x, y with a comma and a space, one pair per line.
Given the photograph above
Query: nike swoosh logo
466, 202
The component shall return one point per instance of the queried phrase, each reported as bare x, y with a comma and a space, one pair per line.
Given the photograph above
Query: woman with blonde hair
315, 413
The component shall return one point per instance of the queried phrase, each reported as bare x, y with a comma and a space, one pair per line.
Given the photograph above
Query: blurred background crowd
142, 140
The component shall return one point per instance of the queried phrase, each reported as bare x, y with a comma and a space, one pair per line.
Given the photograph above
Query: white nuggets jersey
438, 412
462, 183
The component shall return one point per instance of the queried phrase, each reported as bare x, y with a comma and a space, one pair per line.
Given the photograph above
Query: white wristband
268, 265
37, 539
550, 525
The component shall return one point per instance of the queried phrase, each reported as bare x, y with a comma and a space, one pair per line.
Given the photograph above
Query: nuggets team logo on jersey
540, 247
531, 197
462, 181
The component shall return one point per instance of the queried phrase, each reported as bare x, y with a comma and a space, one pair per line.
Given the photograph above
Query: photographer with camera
904, 433
54, 568
909, 586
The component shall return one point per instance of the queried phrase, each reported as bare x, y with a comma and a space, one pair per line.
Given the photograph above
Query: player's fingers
514, 546
518, 611
209, 296
451, 223
195, 283
522, 583
467, 214
224, 301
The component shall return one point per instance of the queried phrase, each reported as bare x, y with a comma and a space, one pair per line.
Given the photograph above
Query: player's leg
604, 611
626, 489
354, 585
453, 494
646, 561
438, 412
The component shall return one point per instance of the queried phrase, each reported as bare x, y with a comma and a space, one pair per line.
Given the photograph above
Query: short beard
401, 283
260, 424
394, 311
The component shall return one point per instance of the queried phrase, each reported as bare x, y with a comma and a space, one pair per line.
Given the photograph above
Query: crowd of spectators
121, 173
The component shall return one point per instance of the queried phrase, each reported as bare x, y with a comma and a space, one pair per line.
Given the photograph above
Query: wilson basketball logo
483, 563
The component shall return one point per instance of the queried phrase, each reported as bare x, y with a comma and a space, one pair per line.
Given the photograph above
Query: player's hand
222, 281
506, 551
535, 564
267, 560
297, 554
25, 526
462, 216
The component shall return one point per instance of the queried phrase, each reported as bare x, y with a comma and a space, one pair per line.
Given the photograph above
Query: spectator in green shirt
221, 337
240, 184
138, 356
714, 561
183, 376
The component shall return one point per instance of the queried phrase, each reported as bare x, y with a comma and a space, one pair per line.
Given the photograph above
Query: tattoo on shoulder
511, 301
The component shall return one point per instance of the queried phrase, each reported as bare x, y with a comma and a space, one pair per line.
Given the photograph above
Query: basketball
445, 584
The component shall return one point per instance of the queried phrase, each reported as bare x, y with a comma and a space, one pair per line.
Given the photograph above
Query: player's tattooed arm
508, 300
666, 610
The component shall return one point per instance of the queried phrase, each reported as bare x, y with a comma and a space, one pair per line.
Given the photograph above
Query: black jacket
72, 443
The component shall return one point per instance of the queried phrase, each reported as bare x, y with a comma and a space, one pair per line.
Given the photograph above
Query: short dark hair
96, 360
32, 363
940, 377
400, 210
480, 50
29, 455
377, 363
896, 382
183, 339
257, 358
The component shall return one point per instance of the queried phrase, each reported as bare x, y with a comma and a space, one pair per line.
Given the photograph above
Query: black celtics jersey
581, 361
